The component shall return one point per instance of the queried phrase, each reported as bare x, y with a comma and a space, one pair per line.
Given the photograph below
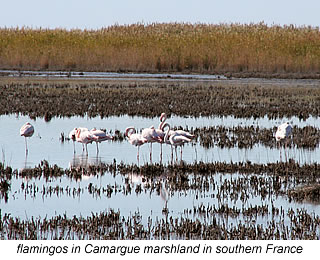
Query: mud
215, 98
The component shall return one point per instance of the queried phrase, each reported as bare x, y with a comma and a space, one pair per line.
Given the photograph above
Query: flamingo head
163, 117
129, 131
78, 132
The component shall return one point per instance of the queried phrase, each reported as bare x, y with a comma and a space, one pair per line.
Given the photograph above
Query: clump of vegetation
60, 98
174, 47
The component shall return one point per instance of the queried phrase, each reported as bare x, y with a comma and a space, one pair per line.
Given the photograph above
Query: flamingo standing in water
101, 135
134, 138
85, 137
26, 130
160, 132
150, 134
283, 132
176, 138
72, 136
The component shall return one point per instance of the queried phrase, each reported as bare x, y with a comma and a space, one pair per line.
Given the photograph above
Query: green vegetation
253, 49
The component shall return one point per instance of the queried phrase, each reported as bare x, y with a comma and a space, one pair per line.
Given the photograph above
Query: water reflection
84, 161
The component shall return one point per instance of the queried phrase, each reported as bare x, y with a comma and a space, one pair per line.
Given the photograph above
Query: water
46, 144
45, 198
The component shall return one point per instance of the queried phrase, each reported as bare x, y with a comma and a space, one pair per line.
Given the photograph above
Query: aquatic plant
248, 49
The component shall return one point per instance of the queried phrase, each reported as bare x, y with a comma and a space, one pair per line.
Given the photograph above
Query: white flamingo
134, 138
101, 135
26, 130
85, 137
283, 132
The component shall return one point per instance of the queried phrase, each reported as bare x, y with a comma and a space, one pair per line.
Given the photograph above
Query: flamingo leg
74, 147
285, 150
171, 154
87, 149
151, 152
160, 152
175, 148
138, 154
181, 152
97, 147
25, 138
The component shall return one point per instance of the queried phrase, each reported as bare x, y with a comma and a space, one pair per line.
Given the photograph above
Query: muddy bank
70, 98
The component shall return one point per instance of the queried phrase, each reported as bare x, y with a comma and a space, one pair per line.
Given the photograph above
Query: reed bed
249, 49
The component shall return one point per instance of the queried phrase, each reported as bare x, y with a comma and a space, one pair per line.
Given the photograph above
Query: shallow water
57, 196
46, 144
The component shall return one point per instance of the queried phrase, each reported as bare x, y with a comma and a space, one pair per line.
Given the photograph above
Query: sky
94, 14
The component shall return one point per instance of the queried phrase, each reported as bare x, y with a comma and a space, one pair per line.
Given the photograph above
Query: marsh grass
174, 47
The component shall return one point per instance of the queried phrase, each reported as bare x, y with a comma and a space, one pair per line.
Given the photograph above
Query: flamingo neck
166, 137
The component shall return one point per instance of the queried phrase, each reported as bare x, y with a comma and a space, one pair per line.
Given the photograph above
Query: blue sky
93, 14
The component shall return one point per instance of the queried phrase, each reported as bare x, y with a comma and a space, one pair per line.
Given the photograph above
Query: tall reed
174, 47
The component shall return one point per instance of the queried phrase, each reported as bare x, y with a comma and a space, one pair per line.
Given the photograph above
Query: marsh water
231, 198
40, 198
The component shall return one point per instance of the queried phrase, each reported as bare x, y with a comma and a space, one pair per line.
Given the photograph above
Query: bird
26, 130
283, 132
163, 117
72, 136
152, 136
85, 137
160, 132
101, 135
134, 138
176, 139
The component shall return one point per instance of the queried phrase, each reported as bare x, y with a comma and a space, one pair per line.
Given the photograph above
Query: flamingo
134, 138
175, 139
72, 136
26, 130
163, 117
160, 132
283, 132
85, 137
151, 135
101, 135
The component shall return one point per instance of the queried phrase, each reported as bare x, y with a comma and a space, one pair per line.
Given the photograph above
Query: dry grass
195, 48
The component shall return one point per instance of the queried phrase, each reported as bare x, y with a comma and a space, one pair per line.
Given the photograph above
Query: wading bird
134, 138
175, 139
72, 136
283, 132
26, 130
85, 137
101, 136
150, 134
160, 132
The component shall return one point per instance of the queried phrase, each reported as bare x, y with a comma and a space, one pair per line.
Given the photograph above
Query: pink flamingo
85, 137
26, 130
101, 135
152, 137
135, 139
175, 139
72, 136
160, 132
